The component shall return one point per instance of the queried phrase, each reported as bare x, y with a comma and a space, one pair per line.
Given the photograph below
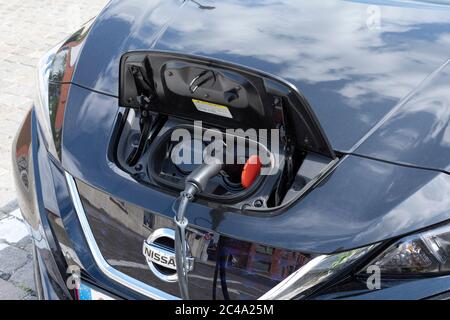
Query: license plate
87, 293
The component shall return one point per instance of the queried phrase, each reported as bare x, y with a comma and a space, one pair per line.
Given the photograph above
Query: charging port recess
162, 93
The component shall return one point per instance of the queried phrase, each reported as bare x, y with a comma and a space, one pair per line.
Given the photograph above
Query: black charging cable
220, 269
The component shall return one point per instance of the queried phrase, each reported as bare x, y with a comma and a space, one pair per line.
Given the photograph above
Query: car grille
247, 270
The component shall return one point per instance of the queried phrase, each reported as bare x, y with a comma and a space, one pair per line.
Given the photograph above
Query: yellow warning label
212, 108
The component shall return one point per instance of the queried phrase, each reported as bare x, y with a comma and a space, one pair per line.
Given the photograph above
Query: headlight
424, 253
317, 271
44, 113
54, 75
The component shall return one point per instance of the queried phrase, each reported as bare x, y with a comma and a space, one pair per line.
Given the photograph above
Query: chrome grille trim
102, 264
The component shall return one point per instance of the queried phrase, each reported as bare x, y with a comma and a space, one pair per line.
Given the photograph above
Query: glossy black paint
361, 202
48, 210
418, 132
351, 69
28, 152
428, 288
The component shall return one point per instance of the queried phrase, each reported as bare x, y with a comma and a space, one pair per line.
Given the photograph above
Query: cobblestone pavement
27, 29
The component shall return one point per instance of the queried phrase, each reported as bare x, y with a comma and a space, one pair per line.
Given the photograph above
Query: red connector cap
251, 171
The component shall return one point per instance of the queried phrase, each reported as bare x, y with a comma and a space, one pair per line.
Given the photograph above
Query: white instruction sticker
212, 108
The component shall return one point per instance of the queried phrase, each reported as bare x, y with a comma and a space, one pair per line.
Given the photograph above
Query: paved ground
27, 29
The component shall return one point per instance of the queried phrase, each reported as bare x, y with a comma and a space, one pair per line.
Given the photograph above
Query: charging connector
196, 182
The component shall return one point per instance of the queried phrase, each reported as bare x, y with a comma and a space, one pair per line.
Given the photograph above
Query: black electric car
341, 189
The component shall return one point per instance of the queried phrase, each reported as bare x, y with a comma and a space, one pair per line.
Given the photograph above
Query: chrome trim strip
279, 291
107, 270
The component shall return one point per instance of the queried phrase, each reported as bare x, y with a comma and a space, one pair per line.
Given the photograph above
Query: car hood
353, 60
380, 92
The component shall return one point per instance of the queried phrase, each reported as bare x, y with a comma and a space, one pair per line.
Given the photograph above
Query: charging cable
195, 183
